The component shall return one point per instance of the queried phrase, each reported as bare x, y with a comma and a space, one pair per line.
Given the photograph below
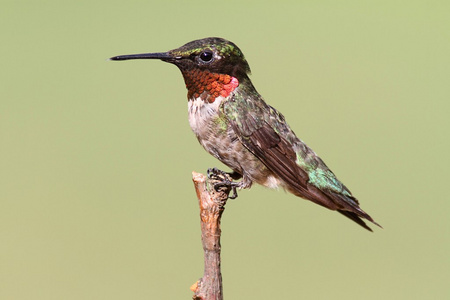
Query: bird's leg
224, 180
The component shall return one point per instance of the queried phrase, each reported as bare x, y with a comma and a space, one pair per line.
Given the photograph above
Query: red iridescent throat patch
214, 84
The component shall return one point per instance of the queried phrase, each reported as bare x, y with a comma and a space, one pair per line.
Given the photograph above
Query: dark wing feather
264, 132
278, 155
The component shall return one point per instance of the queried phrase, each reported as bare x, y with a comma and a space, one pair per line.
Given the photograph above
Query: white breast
201, 114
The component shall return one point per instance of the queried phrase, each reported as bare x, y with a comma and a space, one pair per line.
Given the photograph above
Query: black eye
206, 56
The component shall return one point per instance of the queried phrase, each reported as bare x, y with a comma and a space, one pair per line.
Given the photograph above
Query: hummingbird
234, 124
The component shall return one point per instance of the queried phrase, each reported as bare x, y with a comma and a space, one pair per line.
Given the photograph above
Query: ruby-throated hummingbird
234, 124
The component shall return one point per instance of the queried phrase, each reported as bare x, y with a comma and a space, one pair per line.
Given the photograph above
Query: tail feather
357, 219
349, 207
354, 217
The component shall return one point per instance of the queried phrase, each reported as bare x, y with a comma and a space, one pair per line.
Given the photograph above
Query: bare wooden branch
212, 204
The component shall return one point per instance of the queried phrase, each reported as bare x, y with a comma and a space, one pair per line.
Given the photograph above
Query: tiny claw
231, 185
214, 173
234, 193
224, 181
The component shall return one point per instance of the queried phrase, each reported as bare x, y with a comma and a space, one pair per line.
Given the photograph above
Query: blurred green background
96, 198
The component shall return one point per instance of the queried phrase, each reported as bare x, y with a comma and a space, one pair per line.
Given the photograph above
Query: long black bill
162, 56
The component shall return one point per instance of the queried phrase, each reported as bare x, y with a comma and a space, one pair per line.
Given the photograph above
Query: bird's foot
224, 180
216, 174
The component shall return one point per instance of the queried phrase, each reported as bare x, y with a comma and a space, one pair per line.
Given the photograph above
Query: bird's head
211, 67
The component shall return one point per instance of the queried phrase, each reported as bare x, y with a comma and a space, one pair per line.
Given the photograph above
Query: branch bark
212, 204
